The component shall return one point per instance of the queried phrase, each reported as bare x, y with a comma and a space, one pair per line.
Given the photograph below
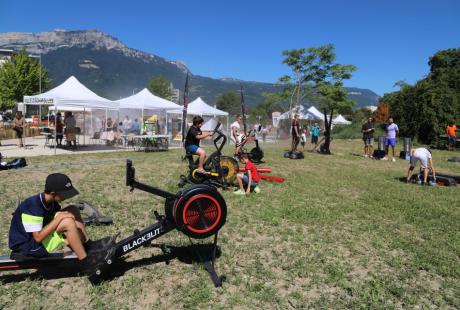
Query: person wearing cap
39, 226
426, 163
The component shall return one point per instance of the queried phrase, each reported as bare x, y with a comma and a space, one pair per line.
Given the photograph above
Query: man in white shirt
392, 131
426, 163
126, 125
236, 133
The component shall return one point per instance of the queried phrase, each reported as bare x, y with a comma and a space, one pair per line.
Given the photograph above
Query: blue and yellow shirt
31, 215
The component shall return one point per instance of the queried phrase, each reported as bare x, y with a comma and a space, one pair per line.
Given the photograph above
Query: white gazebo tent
340, 120
300, 110
315, 113
145, 100
72, 93
201, 108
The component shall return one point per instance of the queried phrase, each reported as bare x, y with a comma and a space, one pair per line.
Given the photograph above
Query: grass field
341, 232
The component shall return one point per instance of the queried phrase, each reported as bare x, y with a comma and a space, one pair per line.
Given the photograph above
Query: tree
382, 113
315, 75
229, 102
272, 102
296, 85
160, 86
424, 109
19, 78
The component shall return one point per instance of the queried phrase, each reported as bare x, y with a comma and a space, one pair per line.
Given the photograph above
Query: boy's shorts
246, 180
314, 139
53, 241
390, 141
192, 148
452, 140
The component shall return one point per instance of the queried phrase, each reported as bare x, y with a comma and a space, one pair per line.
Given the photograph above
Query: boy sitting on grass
249, 178
39, 226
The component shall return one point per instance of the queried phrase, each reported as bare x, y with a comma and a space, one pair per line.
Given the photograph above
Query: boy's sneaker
239, 192
385, 158
89, 264
366, 156
256, 189
393, 159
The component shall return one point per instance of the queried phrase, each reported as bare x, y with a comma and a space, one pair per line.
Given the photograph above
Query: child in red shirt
250, 178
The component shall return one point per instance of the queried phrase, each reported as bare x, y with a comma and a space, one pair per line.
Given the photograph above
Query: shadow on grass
190, 254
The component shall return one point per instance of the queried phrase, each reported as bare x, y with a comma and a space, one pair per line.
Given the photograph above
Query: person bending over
426, 163
249, 178
39, 226
192, 141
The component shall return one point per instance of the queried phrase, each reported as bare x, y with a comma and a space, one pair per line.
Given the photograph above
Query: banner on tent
32, 100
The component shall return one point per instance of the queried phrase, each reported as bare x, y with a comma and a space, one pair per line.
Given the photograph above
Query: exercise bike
220, 170
256, 154
198, 212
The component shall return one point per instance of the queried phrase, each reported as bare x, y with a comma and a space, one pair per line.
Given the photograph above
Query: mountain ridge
112, 69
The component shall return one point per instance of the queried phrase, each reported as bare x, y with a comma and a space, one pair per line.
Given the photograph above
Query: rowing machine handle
130, 173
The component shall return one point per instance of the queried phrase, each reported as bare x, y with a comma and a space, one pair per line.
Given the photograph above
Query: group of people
299, 134
392, 131
247, 180
67, 127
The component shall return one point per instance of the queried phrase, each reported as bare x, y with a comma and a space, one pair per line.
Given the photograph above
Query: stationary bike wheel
200, 212
230, 167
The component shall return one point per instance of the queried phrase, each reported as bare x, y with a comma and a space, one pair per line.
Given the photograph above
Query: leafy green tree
19, 78
160, 86
423, 110
315, 75
272, 102
229, 102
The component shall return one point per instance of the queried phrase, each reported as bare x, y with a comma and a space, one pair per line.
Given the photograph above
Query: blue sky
387, 40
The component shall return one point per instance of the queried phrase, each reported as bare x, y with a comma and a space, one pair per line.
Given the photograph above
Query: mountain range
112, 70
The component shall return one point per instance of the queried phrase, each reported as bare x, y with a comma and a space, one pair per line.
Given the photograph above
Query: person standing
426, 163
451, 132
315, 129
368, 137
295, 132
18, 127
59, 129
303, 138
235, 136
70, 129
392, 131
126, 125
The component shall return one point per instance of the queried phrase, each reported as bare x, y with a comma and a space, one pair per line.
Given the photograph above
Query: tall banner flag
243, 111
184, 111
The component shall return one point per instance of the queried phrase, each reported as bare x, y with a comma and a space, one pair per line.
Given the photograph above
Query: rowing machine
198, 212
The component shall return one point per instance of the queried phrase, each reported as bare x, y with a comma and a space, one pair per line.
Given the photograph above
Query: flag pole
184, 111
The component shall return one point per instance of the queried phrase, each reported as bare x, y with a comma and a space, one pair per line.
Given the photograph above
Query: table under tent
92, 112
143, 116
201, 108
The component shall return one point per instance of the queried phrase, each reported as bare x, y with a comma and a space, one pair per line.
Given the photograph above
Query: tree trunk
327, 134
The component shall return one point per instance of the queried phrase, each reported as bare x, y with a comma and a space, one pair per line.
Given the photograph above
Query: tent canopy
315, 113
340, 120
146, 100
199, 107
311, 113
71, 93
